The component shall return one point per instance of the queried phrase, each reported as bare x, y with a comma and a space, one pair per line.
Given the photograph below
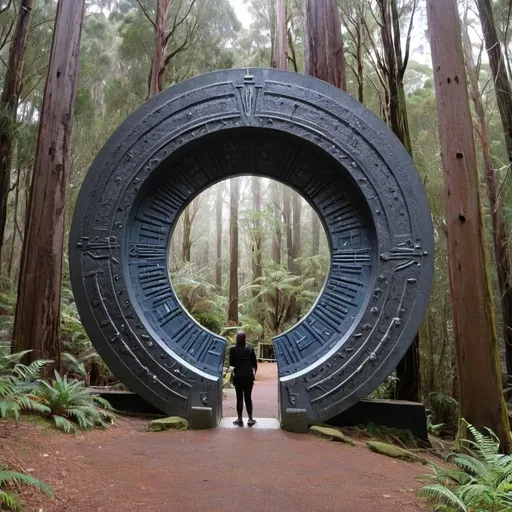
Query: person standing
243, 360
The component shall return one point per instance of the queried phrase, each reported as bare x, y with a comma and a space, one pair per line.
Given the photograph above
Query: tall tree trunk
278, 234
502, 85
394, 66
234, 199
390, 43
360, 63
218, 221
287, 222
281, 34
15, 215
481, 399
9, 106
323, 48
297, 211
186, 242
189, 215
37, 319
274, 43
405, 135
156, 81
257, 268
491, 179
315, 233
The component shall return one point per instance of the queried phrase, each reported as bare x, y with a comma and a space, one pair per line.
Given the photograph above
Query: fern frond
471, 465
476, 494
63, 424
7, 477
8, 361
8, 407
104, 404
437, 493
77, 365
80, 417
10, 501
32, 371
26, 403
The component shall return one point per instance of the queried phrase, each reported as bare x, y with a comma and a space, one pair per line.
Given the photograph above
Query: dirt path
264, 395
127, 469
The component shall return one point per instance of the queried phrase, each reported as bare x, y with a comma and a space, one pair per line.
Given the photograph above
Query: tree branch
146, 14
408, 41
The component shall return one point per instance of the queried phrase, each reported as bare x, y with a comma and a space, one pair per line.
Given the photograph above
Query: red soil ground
127, 469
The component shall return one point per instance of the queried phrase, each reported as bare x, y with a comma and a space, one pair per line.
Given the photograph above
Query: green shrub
210, 321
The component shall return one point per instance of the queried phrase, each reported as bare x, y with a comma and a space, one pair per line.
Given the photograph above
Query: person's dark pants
243, 387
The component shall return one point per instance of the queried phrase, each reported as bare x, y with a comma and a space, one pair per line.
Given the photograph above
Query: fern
63, 424
16, 384
12, 478
9, 500
31, 372
71, 405
481, 481
438, 493
76, 364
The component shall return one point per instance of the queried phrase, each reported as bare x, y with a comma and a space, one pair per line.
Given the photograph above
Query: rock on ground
170, 423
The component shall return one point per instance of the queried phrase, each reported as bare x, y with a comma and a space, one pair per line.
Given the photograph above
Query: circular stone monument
306, 134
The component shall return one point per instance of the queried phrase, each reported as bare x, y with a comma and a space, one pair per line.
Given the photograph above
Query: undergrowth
481, 480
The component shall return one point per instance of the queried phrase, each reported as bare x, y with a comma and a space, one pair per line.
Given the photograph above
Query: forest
250, 252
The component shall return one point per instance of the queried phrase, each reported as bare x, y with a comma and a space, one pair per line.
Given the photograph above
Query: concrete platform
261, 424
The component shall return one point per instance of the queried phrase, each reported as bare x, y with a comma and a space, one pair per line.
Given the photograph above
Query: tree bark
481, 400
287, 222
189, 215
15, 216
257, 267
281, 34
278, 234
297, 211
37, 320
218, 221
401, 67
492, 182
234, 199
394, 70
315, 233
9, 106
393, 66
156, 81
360, 64
186, 242
274, 43
502, 85
323, 42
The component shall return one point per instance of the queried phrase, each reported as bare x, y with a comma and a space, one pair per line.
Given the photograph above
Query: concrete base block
296, 420
201, 418
386, 413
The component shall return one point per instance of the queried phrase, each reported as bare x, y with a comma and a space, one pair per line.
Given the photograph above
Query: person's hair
240, 339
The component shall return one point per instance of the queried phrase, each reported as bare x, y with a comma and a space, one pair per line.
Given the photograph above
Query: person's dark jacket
243, 360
